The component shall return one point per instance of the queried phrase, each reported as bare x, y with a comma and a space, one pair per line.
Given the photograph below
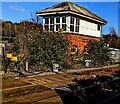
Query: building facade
78, 24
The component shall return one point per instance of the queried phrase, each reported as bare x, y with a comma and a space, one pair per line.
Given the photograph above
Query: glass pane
73, 49
51, 27
98, 27
77, 21
63, 19
57, 27
46, 27
51, 20
46, 20
72, 20
77, 29
64, 27
58, 20
72, 28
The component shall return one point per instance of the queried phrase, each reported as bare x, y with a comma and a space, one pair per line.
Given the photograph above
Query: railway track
62, 92
107, 92
56, 82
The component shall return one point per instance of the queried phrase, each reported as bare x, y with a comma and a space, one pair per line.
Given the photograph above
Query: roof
68, 7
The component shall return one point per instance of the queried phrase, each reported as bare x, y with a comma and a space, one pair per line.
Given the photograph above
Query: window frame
77, 25
51, 20
64, 19
45, 20
64, 27
74, 50
64, 24
46, 24
57, 23
72, 21
98, 27
52, 23
57, 27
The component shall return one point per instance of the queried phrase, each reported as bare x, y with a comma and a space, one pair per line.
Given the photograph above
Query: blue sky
18, 11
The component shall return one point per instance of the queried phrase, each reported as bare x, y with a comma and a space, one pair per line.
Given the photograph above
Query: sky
19, 11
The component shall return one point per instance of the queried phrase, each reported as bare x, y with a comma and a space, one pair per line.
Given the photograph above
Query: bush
97, 51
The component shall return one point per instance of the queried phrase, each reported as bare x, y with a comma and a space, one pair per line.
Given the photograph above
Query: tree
39, 47
112, 39
97, 51
9, 29
26, 33
50, 48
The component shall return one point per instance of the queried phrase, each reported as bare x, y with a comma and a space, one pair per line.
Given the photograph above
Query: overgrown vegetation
112, 39
97, 51
50, 48
42, 49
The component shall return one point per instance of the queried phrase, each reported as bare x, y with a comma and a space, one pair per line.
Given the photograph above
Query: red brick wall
78, 41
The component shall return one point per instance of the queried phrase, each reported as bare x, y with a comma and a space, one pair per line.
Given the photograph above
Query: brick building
79, 24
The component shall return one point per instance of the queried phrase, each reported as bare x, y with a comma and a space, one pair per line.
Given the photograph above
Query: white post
26, 66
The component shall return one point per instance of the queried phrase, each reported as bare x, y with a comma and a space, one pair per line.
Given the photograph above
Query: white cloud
16, 8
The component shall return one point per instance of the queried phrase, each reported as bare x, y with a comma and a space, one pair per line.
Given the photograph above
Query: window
77, 21
64, 27
77, 29
72, 28
57, 23
57, 27
46, 24
63, 19
52, 24
51, 20
58, 20
46, 27
98, 27
46, 20
74, 50
64, 23
77, 25
72, 24
72, 20
51, 27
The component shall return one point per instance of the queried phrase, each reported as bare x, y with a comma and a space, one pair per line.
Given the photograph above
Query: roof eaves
72, 12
